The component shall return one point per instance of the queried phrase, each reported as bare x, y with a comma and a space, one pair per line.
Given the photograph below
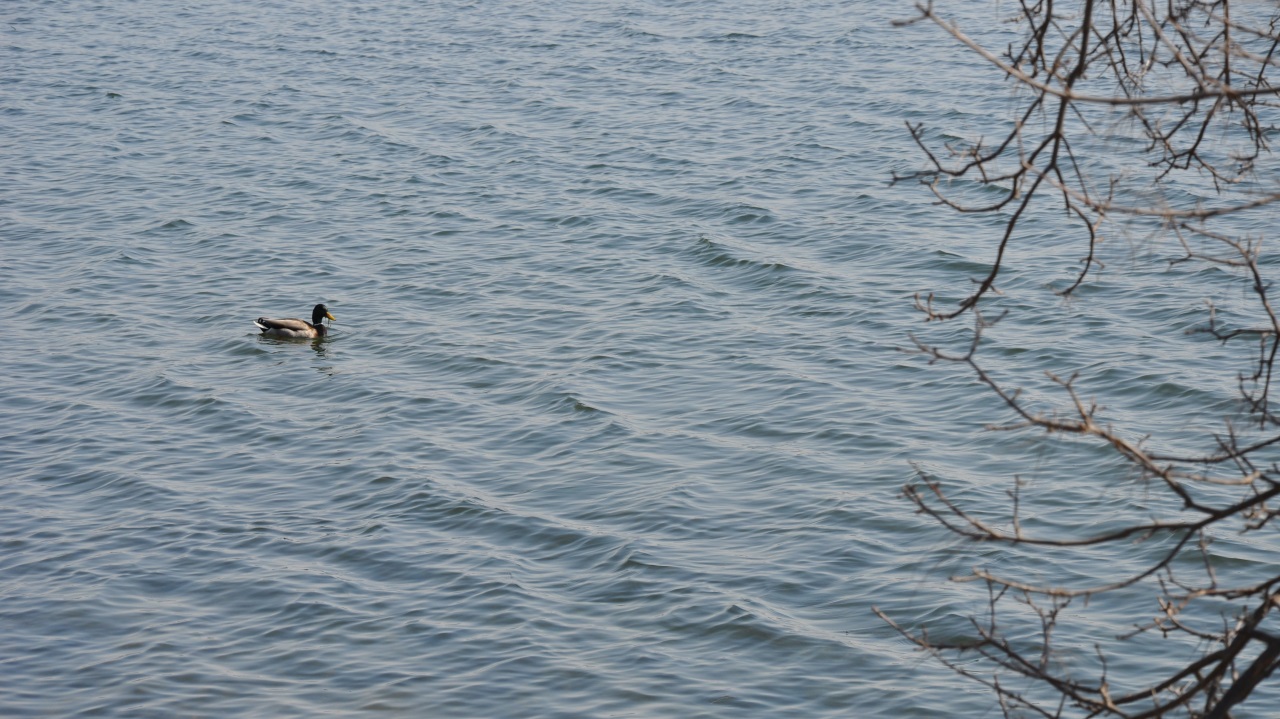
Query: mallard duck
294, 328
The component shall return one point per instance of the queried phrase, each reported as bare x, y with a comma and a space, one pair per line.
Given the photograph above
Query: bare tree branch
1193, 76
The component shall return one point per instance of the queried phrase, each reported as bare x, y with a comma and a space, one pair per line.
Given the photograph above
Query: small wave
721, 254
736, 37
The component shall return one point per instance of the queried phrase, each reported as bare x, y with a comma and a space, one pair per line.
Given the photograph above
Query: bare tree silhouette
1193, 80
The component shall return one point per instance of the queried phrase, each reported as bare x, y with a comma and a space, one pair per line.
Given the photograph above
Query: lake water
613, 419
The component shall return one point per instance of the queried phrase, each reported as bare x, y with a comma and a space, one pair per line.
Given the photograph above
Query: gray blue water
613, 418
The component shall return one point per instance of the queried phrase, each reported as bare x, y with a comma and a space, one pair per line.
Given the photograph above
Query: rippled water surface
612, 421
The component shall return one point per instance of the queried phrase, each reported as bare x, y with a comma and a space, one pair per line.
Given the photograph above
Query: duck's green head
319, 313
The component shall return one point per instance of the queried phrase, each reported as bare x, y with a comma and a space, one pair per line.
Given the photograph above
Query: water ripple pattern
612, 419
